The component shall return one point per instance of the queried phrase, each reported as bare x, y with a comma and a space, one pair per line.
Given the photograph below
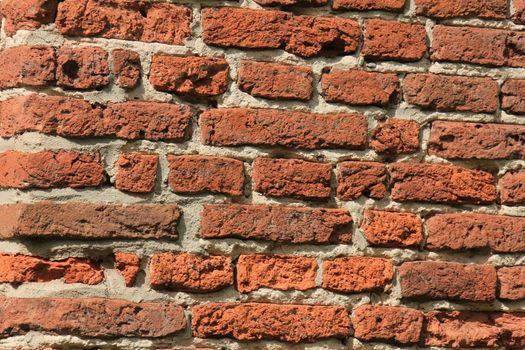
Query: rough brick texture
346, 173
276, 272
267, 127
291, 323
276, 223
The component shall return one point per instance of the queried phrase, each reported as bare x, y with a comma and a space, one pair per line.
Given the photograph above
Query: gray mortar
113, 286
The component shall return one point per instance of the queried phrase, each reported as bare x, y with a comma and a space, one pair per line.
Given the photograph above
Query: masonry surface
262, 174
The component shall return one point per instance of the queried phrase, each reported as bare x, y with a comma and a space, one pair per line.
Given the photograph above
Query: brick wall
263, 174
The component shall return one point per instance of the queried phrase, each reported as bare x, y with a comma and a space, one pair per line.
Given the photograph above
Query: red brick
128, 265
486, 46
199, 173
257, 321
459, 231
291, 2
357, 87
512, 188
50, 169
22, 269
459, 140
438, 183
89, 220
511, 282
192, 273
451, 93
26, 14
394, 40
398, 325
71, 117
512, 99
490, 9
27, 66
292, 178
447, 280
306, 36
275, 127
276, 223
146, 21
369, 5
465, 329
90, 317
189, 75
392, 229
282, 272
127, 68
519, 11
355, 274
395, 136
356, 179
136, 172
82, 68
275, 81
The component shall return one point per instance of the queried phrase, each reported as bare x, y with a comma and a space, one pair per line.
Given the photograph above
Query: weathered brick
89, 220
22, 269
146, 21
511, 282
27, 66
451, 93
447, 280
358, 87
26, 14
512, 99
49, 169
394, 40
392, 229
292, 178
398, 325
90, 317
355, 274
275, 127
82, 68
459, 140
306, 36
128, 264
276, 223
395, 136
356, 179
290, 323
465, 329
291, 2
71, 117
369, 5
519, 11
490, 9
438, 183
127, 67
136, 172
459, 231
485, 46
512, 188
189, 75
199, 173
192, 273
275, 81
282, 272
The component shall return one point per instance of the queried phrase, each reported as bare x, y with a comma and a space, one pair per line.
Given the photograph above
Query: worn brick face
27, 66
512, 99
275, 81
356, 179
127, 67
511, 282
357, 274
394, 40
437, 183
368, 5
282, 272
512, 188
276, 223
392, 229
187, 272
357, 87
82, 68
490, 9
294, 129
292, 178
395, 136
136, 172
26, 14
448, 280
290, 323
128, 264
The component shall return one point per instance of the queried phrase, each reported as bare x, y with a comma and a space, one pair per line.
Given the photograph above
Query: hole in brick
71, 68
